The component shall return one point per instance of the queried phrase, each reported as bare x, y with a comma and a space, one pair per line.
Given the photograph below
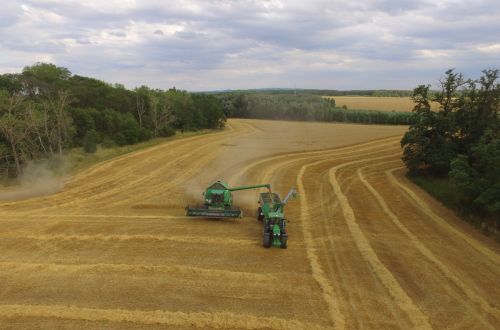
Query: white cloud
432, 53
490, 49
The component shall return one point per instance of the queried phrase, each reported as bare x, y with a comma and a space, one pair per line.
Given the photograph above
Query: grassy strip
450, 196
442, 189
80, 160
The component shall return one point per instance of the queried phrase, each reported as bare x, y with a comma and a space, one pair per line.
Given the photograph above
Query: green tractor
219, 201
271, 212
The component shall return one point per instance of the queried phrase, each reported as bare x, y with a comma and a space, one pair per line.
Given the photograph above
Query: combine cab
271, 212
219, 201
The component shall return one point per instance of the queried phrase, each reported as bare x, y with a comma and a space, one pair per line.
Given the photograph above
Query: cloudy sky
229, 44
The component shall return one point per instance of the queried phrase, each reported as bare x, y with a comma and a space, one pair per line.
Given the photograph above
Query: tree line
460, 141
45, 110
303, 107
323, 92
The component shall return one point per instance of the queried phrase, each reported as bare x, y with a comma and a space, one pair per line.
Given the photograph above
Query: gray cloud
201, 45
10, 14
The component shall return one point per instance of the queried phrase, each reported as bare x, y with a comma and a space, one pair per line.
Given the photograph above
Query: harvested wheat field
388, 103
367, 249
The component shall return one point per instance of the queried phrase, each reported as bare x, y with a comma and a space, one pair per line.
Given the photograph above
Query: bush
144, 134
90, 142
167, 131
108, 143
120, 139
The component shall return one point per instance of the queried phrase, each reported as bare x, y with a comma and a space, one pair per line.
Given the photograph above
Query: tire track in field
170, 146
427, 253
128, 269
308, 154
13, 216
316, 268
100, 198
298, 306
339, 153
195, 167
101, 168
125, 237
317, 271
414, 314
424, 207
179, 179
270, 170
346, 276
200, 320
88, 196
84, 192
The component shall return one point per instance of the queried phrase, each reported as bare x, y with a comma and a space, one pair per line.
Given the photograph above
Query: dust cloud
38, 179
233, 154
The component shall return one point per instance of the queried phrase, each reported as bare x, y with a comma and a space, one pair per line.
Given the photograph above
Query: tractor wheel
284, 241
260, 215
267, 240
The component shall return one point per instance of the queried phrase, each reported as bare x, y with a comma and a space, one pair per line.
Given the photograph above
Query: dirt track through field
367, 248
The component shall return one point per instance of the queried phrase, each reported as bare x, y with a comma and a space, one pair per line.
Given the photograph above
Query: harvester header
219, 201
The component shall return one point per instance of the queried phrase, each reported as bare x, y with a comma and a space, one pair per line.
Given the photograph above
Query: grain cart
271, 212
219, 201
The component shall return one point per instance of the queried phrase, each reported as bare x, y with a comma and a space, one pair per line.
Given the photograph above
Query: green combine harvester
272, 212
219, 201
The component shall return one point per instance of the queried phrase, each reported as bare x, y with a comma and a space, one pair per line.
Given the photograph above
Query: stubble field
404, 104
367, 249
